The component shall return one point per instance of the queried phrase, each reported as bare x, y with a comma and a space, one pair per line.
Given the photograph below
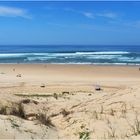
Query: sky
71, 23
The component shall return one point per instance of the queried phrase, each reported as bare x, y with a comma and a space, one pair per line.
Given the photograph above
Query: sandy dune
60, 101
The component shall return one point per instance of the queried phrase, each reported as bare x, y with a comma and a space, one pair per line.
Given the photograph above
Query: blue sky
74, 22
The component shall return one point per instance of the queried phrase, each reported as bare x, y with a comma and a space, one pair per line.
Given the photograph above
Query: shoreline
93, 64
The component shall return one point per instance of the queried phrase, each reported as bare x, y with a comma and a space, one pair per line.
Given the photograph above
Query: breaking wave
98, 57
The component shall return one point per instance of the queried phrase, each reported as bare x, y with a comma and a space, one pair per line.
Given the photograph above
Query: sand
60, 101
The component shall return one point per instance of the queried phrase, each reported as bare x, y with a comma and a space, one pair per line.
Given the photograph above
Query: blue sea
71, 54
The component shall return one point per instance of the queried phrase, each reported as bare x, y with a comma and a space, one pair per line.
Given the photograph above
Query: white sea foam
40, 58
107, 52
82, 63
129, 59
60, 54
33, 58
103, 56
12, 55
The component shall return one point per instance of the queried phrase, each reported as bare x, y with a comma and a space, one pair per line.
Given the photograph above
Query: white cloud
94, 15
88, 14
103, 14
6, 11
107, 15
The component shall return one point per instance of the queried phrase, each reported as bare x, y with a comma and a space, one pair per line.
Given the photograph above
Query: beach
65, 76
69, 70
61, 101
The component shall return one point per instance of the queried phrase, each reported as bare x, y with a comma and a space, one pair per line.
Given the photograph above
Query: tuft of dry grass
135, 126
34, 95
111, 130
65, 112
84, 135
45, 120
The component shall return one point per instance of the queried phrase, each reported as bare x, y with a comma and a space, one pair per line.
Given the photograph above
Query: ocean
71, 54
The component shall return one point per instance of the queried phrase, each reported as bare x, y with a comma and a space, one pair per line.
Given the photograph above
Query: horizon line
69, 44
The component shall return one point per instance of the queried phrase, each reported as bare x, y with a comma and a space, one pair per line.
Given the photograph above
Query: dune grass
34, 95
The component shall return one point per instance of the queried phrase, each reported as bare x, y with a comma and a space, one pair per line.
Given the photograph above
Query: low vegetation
84, 135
